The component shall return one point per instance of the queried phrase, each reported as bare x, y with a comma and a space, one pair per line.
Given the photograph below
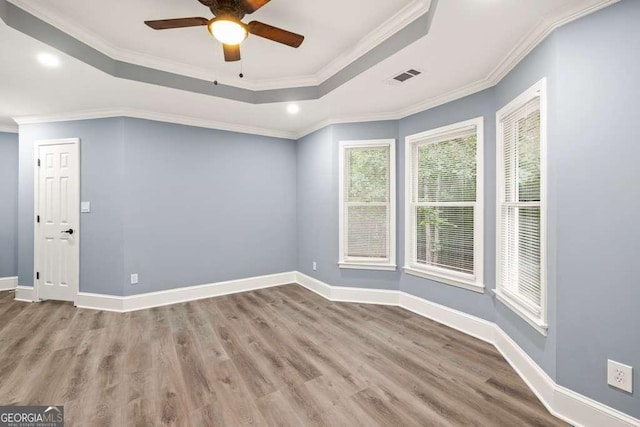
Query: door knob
69, 231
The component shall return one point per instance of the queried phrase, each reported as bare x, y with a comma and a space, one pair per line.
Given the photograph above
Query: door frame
36, 201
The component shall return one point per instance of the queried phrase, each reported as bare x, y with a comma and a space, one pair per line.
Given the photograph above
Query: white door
57, 219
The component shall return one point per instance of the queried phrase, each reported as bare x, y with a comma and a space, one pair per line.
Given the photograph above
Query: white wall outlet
134, 279
620, 376
315, 266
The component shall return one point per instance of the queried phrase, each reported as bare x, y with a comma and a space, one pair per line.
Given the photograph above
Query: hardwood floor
279, 356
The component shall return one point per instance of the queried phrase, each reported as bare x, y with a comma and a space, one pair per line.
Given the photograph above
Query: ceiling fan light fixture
227, 31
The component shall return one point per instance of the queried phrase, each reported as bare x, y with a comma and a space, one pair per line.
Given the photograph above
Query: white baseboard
346, 294
24, 293
314, 285
470, 325
8, 283
124, 304
565, 404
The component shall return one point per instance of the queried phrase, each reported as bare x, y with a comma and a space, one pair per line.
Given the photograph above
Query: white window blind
444, 211
520, 267
367, 204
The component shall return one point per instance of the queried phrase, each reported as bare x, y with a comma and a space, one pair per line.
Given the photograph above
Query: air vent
404, 76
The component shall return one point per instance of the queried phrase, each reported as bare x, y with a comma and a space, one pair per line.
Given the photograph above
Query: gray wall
204, 206
101, 182
597, 147
8, 204
178, 205
592, 70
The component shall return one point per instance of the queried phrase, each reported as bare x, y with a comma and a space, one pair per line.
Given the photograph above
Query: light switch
85, 207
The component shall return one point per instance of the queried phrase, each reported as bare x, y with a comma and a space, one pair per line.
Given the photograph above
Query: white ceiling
330, 27
472, 43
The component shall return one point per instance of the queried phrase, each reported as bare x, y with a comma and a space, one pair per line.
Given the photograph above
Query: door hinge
38, 162
38, 275
38, 218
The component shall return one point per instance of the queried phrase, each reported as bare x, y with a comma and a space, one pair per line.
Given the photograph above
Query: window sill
365, 266
459, 283
536, 323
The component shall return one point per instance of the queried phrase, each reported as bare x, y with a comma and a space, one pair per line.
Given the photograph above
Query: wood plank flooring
280, 356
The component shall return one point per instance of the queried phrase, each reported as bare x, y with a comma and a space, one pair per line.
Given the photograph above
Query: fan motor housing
227, 8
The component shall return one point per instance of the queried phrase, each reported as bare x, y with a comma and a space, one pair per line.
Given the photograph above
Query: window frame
473, 282
359, 263
520, 306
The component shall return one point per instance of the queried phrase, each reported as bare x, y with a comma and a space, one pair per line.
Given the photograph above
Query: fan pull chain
241, 72
215, 57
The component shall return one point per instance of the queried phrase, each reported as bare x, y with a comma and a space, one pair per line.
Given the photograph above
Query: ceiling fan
228, 28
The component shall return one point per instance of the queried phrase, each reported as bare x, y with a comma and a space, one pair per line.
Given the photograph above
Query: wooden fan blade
167, 24
276, 34
231, 52
250, 6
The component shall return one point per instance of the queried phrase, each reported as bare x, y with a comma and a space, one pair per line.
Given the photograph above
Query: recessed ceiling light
48, 60
293, 108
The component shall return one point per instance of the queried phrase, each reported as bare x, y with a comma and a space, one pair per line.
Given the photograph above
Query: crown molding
391, 26
541, 30
401, 114
509, 62
155, 116
9, 128
526, 44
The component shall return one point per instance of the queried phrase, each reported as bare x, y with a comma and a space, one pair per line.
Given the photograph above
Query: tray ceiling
336, 32
472, 44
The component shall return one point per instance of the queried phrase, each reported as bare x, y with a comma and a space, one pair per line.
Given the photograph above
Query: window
367, 205
520, 270
443, 222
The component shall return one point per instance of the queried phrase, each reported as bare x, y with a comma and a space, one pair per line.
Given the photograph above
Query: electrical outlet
134, 279
315, 266
620, 376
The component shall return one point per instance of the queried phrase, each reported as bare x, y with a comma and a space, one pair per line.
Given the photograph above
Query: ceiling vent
404, 76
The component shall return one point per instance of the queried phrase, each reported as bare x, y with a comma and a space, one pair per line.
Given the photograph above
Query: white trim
447, 280
535, 323
572, 407
364, 296
123, 304
508, 63
9, 128
363, 266
361, 263
8, 283
470, 325
563, 403
539, 89
391, 26
445, 276
540, 31
36, 201
314, 285
348, 294
379, 34
25, 293
155, 116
